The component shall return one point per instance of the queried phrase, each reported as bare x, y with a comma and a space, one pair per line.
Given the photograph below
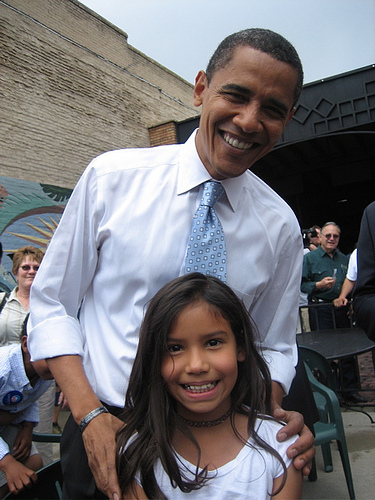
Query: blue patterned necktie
206, 248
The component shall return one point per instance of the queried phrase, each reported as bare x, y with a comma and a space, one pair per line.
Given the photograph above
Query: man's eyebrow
236, 88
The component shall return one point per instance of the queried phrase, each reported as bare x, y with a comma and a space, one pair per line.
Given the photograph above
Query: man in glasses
324, 271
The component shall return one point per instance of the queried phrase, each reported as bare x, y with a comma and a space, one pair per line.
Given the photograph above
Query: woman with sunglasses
26, 262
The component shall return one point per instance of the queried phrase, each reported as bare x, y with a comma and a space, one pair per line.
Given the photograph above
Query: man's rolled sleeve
63, 277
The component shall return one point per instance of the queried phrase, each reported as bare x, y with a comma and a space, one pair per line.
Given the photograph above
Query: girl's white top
249, 475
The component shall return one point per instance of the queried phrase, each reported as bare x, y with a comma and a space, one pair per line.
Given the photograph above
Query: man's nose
249, 118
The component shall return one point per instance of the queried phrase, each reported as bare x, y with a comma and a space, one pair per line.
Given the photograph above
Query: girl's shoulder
267, 428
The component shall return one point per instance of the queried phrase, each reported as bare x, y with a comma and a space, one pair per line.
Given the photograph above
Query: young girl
197, 403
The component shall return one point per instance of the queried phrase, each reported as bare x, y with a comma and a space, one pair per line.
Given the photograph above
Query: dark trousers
301, 398
78, 481
321, 318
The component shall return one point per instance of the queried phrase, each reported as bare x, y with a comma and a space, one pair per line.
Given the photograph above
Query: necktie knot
212, 192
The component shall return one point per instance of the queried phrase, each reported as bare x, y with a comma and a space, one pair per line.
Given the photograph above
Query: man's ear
24, 344
290, 116
201, 84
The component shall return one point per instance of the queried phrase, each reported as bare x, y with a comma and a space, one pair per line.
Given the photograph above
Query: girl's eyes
174, 348
214, 342
177, 348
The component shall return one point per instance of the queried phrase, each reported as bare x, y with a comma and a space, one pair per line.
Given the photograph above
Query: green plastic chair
330, 426
44, 437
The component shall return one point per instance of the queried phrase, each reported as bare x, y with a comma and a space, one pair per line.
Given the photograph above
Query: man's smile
237, 143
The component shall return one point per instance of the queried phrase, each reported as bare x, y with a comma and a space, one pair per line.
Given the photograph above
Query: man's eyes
275, 112
235, 97
270, 110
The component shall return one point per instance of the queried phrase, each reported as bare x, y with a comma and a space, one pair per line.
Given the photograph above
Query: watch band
90, 416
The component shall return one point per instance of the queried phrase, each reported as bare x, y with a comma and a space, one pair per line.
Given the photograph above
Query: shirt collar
13, 294
323, 252
192, 173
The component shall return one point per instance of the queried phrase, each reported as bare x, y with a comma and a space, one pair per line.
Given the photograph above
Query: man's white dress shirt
352, 271
124, 234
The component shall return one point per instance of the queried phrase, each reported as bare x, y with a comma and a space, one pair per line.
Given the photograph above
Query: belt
114, 410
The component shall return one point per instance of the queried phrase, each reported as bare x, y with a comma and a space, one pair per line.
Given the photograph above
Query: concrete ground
360, 438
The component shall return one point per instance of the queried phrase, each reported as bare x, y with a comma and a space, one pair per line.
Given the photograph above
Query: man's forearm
71, 378
277, 394
347, 287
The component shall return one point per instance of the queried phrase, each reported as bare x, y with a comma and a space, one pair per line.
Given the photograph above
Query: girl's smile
200, 368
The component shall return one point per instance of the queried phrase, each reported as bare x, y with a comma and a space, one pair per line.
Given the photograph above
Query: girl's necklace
206, 423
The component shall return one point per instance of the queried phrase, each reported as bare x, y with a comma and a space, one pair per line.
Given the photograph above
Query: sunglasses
26, 267
334, 236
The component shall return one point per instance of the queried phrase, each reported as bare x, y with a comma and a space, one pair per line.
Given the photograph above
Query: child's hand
63, 402
18, 476
22, 443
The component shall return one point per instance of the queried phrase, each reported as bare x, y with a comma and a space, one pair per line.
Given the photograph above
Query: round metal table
337, 343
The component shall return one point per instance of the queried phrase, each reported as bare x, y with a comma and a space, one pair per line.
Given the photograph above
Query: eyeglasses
329, 236
26, 267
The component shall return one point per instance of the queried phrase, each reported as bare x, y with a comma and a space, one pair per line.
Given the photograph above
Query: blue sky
331, 36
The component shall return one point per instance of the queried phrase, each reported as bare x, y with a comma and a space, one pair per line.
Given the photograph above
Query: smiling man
125, 232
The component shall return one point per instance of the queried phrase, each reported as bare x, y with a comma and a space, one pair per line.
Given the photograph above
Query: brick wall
163, 134
72, 87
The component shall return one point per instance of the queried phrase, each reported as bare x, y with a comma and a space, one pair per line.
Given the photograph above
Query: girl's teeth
200, 388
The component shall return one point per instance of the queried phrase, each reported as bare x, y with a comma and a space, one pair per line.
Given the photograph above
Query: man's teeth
236, 143
200, 388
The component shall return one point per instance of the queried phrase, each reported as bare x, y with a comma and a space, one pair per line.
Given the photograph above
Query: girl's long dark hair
149, 409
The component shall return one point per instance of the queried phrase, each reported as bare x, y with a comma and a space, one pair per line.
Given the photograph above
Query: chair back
313, 310
320, 367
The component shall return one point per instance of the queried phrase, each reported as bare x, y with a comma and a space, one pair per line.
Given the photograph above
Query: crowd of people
188, 234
